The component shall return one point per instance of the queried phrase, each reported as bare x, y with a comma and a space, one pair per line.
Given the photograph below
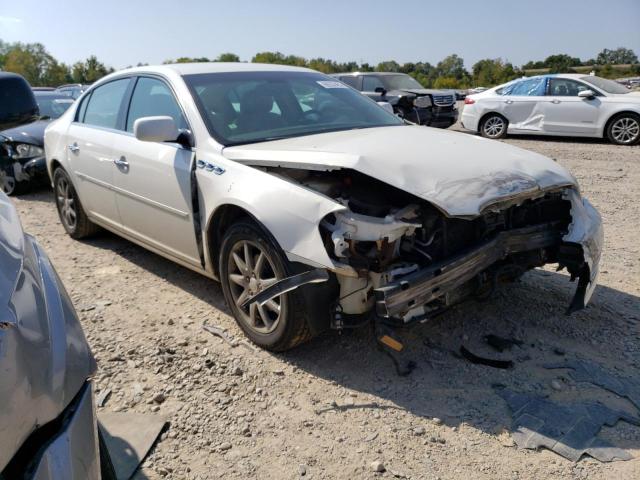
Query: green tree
561, 63
493, 72
618, 56
447, 82
452, 66
388, 66
34, 63
89, 71
227, 57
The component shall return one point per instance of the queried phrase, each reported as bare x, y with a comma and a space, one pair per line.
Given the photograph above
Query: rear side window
533, 87
153, 98
104, 104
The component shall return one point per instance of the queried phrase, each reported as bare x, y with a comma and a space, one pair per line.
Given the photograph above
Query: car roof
354, 74
214, 67
50, 94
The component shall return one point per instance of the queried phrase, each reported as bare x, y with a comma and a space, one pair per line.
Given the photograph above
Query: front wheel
249, 262
494, 126
624, 129
9, 184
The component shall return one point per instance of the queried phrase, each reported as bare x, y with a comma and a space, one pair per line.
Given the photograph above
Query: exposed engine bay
406, 260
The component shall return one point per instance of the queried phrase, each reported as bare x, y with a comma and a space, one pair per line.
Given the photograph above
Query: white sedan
314, 207
565, 105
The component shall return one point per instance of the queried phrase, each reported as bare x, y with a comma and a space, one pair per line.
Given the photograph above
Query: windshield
51, 106
249, 107
399, 82
608, 86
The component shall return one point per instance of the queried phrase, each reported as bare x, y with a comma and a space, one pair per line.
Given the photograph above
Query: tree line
40, 68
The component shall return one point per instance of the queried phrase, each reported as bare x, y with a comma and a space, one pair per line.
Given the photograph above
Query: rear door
566, 112
521, 104
153, 179
90, 140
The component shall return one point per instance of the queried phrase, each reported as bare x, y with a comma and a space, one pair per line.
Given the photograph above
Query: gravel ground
335, 408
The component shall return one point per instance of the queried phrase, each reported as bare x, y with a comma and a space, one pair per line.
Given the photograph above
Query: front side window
400, 82
152, 98
531, 87
565, 87
104, 104
370, 83
250, 107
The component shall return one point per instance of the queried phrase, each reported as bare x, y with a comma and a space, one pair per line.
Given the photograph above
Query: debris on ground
102, 397
501, 344
222, 333
590, 372
489, 362
569, 430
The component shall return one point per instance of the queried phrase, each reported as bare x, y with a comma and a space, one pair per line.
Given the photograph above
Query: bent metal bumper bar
423, 286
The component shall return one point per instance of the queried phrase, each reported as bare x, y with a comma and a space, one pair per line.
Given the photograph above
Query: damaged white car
314, 207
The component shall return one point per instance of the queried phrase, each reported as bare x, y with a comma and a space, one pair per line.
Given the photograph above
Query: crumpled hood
459, 173
32, 133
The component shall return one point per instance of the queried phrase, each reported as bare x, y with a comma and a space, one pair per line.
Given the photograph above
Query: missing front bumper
424, 286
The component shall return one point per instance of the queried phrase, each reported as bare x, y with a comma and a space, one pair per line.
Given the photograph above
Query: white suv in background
564, 105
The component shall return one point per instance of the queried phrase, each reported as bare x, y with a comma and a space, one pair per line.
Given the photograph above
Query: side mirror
387, 106
156, 129
17, 103
381, 90
587, 94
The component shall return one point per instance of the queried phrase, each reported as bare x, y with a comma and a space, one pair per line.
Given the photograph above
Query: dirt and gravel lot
331, 408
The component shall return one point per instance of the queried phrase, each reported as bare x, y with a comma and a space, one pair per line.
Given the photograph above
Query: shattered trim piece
285, 285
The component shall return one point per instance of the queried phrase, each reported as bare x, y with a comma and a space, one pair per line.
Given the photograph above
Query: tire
279, 325
72, 215
9, 184
494, 126
624, 129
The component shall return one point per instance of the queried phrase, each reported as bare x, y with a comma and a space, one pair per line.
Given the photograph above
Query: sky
125, 32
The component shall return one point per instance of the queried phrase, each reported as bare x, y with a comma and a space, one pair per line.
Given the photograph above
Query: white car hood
459, 173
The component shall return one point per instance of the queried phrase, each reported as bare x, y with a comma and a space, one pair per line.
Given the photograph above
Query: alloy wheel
66, 203
494, 126
625, 130
250, 270
7, 182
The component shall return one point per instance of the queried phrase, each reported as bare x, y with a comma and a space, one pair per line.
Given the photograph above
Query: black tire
72, 215
494, 126
291, 327
9, 184
624, 129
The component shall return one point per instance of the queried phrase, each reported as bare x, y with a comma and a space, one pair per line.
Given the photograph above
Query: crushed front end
405, 260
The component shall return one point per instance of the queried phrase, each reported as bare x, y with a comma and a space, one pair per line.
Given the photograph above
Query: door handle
74, 148
508, 102
121, 163
555, 101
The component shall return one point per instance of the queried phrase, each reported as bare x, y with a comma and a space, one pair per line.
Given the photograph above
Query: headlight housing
24, 150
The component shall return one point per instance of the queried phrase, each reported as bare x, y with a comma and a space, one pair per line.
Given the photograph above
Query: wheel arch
489, 113
615, 115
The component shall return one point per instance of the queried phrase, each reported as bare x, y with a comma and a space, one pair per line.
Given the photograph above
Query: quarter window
564, 87
152, 98
104, 104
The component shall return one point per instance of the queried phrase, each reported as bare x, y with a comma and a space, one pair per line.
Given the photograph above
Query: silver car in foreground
313, 206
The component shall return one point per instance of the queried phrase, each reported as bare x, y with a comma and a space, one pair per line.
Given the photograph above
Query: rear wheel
249, 263
624, 129
72, 215
493, 126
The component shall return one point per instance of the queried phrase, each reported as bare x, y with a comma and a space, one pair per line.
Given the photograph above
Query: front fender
290, 212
